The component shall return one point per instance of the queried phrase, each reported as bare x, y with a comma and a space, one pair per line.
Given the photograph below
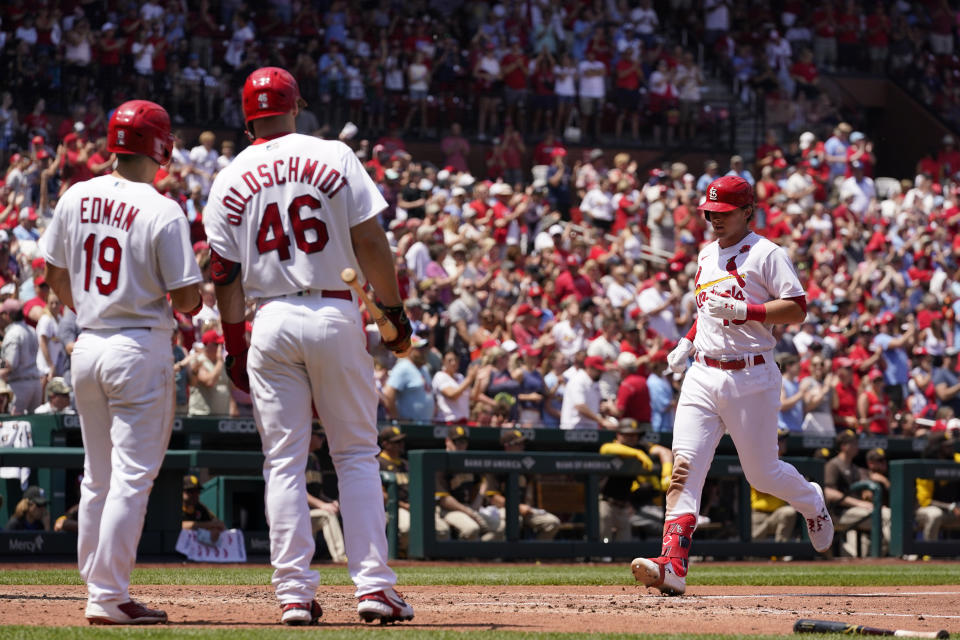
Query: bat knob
348, 275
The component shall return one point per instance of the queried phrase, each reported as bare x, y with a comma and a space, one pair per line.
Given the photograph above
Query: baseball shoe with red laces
301, 613
659, 573
131, 612
820, 526
384, 606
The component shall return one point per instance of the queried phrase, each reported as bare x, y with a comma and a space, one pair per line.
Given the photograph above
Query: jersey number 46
272, 237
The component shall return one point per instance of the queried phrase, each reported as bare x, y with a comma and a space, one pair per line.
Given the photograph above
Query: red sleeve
800, 300
692, 333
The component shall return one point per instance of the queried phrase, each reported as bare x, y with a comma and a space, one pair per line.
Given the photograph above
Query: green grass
404, 633
780, 574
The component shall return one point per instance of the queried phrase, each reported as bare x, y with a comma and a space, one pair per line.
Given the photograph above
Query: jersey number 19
108, 258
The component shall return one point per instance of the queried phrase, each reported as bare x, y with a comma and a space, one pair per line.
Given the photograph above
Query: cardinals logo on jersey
732, 266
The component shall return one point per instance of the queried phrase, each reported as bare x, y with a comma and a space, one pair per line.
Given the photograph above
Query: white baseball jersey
754, 270
125, 246
281, 210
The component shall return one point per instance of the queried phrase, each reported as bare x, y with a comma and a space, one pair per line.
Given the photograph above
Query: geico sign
581, 435
73, 422
237, 426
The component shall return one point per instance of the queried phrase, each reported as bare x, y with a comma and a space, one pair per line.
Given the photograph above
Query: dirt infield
625, 609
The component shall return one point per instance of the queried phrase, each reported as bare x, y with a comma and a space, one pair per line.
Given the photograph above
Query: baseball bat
387, 330
828, 626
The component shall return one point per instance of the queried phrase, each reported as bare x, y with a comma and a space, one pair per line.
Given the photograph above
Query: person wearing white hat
549, 238
506, 229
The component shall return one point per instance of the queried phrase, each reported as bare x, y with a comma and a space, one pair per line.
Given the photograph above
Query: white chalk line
606, 600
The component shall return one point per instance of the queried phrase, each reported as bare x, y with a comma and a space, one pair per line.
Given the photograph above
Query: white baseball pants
743, 403
124, 391
304, 347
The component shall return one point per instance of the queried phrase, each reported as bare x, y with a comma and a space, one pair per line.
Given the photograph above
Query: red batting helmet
726, 194
140, 127
270, 91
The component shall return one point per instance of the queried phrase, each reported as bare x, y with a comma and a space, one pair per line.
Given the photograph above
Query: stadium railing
903, 506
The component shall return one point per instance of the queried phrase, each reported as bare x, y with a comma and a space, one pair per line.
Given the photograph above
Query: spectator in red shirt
767, 186
777, 225
929, 165
37, 122
860, 149
392, 142
101, 161
543, 152
496, 161
74, 167
456, 148
628, 74
769, 151
873, 406
33, 308
95, 121
633, 396
506, 229
878, 39
849, 48
69, 125
543, 101
825, 37
109, 50
844, 395
514, 67
513, 152
526, 327
949, 157
573, 282
806, 77
862, 356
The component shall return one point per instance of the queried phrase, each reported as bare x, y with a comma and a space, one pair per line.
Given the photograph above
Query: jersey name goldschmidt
755, 271
284, 208
125, 246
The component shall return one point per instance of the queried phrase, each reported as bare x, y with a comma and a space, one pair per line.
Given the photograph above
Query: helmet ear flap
168, 149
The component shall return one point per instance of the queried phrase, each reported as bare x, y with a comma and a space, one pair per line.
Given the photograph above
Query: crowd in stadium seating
525, 274
513, 290
626, 68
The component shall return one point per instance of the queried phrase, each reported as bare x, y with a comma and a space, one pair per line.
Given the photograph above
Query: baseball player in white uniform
114, 250
744, 282
283, 220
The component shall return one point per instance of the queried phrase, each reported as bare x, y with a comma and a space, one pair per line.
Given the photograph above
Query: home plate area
614, 609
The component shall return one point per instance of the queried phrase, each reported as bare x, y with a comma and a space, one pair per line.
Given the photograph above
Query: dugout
229, 448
